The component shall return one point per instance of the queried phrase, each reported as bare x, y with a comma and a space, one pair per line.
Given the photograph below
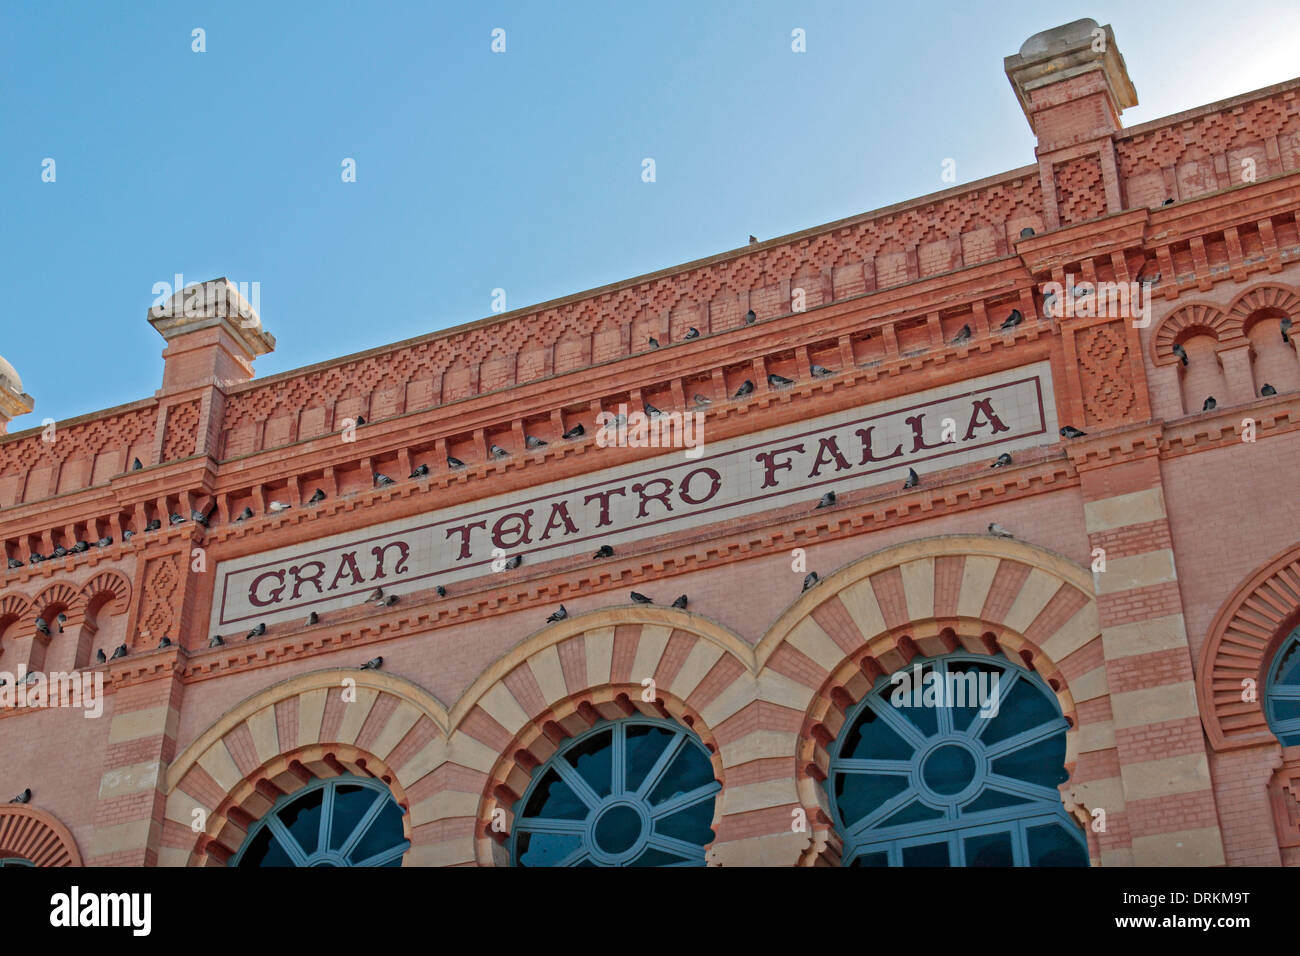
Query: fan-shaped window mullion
901, 725
384, 857
287, 842
669, 807
862, 765
1026, 738
362, 825
623, 827
661, 766
579, 786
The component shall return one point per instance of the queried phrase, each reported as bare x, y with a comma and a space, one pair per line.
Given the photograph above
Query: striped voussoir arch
599, 666
311, 727
1242, 640
964, 592
37, 837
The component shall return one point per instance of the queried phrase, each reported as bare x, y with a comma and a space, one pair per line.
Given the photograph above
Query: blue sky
476, 170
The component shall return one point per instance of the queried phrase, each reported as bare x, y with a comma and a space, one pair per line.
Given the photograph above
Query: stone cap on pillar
213, 334
13, 400
1071, 82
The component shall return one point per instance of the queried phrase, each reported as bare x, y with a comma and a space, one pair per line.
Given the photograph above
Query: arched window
1282, 693
954, 761
635, 792
343, 821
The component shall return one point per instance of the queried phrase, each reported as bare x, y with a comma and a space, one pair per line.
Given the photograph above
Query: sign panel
676, 490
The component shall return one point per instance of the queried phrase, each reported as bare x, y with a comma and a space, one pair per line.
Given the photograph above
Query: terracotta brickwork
1141, 585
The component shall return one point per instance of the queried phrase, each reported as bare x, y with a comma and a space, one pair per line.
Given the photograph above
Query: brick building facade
1145, 609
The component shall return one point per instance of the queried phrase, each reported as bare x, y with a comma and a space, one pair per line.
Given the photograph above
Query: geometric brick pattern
1080, 195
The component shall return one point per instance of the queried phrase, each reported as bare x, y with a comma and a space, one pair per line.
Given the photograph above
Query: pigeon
692, 333
1026, 232
496, 451
650, 410
1149, 281
1209, 405
1069, 431
558, 615
376, 595
1168, 202
680, 603
317, 497
514, 562
604, 551
750, 317
153, 525
533, 442
1081, 290
177, 519
60, 551
454, 462
275, 507
421, 472
62, 619
1002, 460
361, 420
128, 535
119, 653
42, 627
1286, 327
963, 335
199, 517
702, 401
745, 388
1049, 304
24, 797
373, 664
80, 547
382, 480
1012, 320
14, 563
255, 632
135, 465
577, 431
165, 642
998, 531
389, 601
827, 500
440, 591
216, 641
753, 241
913, 479
618, 421
654, 342
1266, 390
245, 514
36, 558
809, 580
1181, 353
641, 599
820, 371
313, 618
101, 657
778, 381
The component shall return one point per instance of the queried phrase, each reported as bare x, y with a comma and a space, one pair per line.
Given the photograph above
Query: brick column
141, 743
1170, 808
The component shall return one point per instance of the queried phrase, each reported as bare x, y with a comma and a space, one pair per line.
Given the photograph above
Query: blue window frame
964, 774
635, 792
16, 861
1282, 691
343, 821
